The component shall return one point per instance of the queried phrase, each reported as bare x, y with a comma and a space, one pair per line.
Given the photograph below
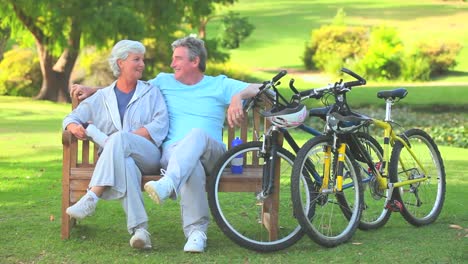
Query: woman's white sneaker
83, 208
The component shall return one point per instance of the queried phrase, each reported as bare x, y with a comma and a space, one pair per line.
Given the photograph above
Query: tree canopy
61, 28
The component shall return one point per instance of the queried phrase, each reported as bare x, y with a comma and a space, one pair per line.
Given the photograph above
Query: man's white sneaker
83, 208
141, 239
160, 190
196, 242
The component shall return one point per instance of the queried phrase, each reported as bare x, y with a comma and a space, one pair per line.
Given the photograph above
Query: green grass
283, 27
30, 200
30, 155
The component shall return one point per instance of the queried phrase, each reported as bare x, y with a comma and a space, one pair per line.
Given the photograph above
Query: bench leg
271, 207
67, 222
270, 216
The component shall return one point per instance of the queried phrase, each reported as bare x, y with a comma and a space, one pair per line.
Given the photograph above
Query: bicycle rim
374, 211
240, 215
322, 217
421, 202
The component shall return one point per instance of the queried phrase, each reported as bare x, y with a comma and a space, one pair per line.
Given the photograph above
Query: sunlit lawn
30, 200
283, 27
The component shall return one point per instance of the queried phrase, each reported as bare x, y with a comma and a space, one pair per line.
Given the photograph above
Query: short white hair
121, 50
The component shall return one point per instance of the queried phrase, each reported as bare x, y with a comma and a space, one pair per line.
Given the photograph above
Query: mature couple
181, 113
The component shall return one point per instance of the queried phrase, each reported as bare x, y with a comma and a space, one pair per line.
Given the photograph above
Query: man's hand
81, 92
235, 112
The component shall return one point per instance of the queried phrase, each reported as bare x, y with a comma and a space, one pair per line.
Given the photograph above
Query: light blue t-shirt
201, 105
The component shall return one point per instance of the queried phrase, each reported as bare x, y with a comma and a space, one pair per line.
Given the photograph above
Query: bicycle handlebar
317, 93
279, 76
360, 80
338, 87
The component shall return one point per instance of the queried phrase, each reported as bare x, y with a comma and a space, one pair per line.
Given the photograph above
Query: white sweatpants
187, 162
122, 161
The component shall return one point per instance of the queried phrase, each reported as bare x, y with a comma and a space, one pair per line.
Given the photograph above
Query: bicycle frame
270, 143
389, 138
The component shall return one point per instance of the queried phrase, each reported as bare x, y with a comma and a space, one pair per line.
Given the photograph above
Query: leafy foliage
415, 68
382, 60
331, 46
20, 74
234, 29
62, 28
441, 55
449, 135
378, 54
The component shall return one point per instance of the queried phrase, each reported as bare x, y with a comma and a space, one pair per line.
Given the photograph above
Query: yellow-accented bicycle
407, 176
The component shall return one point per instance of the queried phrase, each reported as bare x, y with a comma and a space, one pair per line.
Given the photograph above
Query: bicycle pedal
394, 206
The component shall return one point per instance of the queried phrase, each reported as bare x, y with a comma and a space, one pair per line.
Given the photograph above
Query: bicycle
396, 187
240, 215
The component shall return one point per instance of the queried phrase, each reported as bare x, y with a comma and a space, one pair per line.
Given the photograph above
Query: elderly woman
129, 121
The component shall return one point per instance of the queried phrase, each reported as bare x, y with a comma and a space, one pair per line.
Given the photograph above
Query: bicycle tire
319, 217
421, 203
238, 214
374, 214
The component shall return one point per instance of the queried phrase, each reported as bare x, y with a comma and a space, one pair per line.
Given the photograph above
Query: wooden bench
79, 159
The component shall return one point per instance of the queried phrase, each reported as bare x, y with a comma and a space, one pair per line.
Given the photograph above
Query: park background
30, 146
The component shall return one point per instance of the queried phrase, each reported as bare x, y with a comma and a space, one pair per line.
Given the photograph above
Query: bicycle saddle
396, 93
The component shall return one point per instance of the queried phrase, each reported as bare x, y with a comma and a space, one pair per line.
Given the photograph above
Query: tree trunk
202, 27
56, 76
5, 33
54, 80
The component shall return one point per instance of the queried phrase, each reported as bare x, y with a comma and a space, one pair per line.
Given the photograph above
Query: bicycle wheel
422, 202
375, 214
320, 210
240, 215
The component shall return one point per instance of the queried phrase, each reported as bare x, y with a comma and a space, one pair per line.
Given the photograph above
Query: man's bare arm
235, 113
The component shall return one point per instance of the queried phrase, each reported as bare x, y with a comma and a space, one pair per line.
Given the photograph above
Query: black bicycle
242, 215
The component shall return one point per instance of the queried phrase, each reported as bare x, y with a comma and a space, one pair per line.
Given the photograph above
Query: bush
441, 56
332, 46
234, 29
20, 73
92, 68
382, 61
415, 68
450, 136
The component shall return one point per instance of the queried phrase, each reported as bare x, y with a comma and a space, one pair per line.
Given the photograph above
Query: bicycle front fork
338, 185
270, 156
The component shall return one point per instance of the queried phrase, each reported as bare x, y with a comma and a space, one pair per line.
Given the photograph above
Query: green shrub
234, 29
450, 136
441, 56
93, 68
415, 67
331, 46
20, 73
382, 61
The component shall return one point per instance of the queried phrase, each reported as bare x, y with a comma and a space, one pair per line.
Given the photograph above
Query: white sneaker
160, 190
83, 208
141, 239
196, 242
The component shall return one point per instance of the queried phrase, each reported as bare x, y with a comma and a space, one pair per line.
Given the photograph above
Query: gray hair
196, 48
121, 50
